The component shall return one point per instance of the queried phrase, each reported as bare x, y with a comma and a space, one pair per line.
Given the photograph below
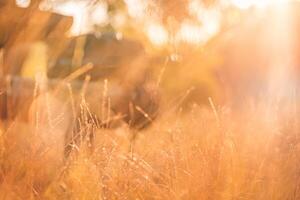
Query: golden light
23, 3
195, 7
194, 33
157, 34
281, 34
136, 8
245, 4
79, 13
119, 19
99, 14
277, 43
191, 33
210, 20
84, 16
205, 24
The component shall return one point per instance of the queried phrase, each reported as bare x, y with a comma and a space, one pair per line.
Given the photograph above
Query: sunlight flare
157, 34
136, 8
84, 16
23, 3
245, 4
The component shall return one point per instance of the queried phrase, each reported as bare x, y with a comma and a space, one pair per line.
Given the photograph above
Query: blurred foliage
180, 65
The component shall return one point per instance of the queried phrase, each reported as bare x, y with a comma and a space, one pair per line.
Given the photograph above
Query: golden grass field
207, 153
213, 90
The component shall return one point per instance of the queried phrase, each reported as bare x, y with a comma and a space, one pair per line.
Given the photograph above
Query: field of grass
217, 82
209, 152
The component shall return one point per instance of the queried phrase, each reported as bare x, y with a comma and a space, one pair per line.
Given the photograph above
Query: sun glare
79, 13
245, 4
84, 17
157, 34
206, 22
136, 8
283, 59
191, 33
23, 3
99, 14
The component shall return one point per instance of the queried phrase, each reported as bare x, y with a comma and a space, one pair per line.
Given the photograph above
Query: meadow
207, 153
111, 102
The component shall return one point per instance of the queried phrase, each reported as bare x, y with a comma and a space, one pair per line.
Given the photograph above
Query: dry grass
209, 152
204, 154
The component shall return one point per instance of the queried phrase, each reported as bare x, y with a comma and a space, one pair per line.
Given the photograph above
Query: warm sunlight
23, 3
282, 31
192, 33
245, 4
137, 8
150, 99
78, 10
84, 16
157, 34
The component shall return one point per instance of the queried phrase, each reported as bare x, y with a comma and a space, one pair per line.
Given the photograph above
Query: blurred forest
177, 36
231, 52
189, 44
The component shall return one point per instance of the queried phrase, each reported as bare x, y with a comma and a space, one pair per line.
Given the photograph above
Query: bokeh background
228, 50
149, 99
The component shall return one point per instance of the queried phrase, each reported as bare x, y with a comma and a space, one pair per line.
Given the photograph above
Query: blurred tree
20, 27
192, 70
